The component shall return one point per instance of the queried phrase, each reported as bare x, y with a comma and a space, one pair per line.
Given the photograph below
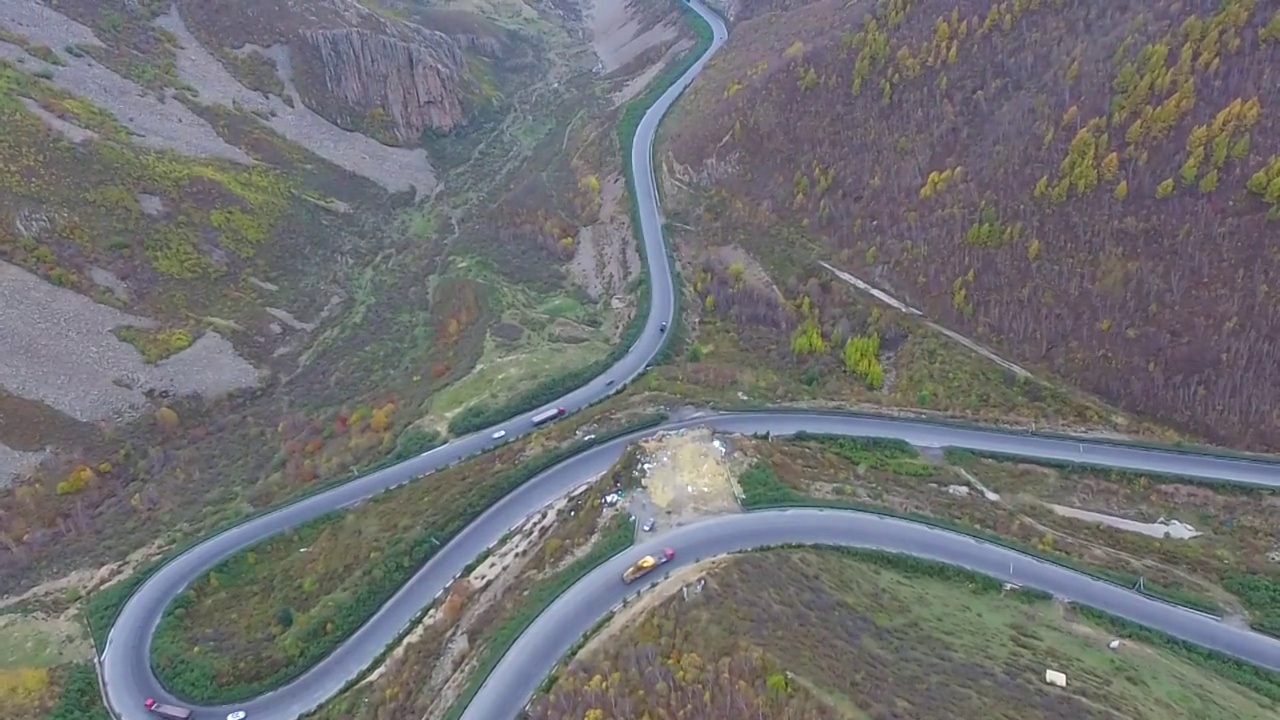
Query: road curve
125, 667
536, 652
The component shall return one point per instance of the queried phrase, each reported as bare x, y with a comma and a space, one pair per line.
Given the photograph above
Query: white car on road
500, 434
237, 715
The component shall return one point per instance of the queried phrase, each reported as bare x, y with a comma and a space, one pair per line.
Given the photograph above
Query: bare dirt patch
616, 33
632, 88
59, 349
15, 464
72, 132
753, 273
685, 476
159, 122
481, 588
86, 581
607, 259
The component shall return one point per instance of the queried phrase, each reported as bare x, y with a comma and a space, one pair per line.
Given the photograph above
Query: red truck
548, 415
172, 712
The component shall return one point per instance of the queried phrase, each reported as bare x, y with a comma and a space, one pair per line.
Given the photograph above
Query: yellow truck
646, 564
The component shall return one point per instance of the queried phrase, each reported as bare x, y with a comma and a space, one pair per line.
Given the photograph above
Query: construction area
683, 476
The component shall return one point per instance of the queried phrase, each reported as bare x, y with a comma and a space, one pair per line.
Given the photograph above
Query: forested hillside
1089, 186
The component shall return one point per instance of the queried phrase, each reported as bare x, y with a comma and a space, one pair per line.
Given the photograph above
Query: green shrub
482, 415
194, 677
79, 699
616, 539
762, 488
1264, 682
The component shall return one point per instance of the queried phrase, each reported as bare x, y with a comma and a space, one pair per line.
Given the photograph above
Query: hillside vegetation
229, 276
249, 247
1088, 186
826, 634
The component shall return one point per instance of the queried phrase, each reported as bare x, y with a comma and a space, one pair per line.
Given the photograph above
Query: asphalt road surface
125, 666
534, 655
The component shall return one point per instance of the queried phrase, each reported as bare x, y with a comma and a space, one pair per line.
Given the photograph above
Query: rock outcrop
355, 67
354, 76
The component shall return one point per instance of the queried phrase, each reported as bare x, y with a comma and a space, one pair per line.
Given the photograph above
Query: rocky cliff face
357, 77
359, 69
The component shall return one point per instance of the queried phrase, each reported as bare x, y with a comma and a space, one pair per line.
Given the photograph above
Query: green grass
506, 375
564, 307
80, 698
865, 631
30, 642
156, 345
762, 488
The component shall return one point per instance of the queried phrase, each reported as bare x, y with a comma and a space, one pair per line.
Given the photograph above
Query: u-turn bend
125, 660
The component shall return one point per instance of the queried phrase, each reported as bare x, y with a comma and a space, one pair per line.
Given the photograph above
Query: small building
1053, 677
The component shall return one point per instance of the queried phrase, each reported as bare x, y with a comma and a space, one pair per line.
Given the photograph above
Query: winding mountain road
125, 666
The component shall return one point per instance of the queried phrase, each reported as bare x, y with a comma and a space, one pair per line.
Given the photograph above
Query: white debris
1053, 677
1162, 528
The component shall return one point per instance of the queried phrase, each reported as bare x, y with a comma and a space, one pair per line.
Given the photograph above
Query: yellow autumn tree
1209, 183
1110, 165
167, 419
76, 481
379, 422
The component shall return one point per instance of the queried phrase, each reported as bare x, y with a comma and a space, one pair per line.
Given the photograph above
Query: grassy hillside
822, 634
1086, 186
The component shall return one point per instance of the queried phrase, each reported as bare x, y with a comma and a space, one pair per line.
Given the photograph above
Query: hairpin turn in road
125, 663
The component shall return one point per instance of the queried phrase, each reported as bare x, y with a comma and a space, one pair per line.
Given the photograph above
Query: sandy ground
1169, 529
616, 35
607, 258
685, 476
633, 87
483, 586
160, 123
59, 349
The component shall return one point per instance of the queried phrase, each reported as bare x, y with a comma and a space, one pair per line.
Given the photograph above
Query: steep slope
248, 245
820, 634
353, 66
1087, 185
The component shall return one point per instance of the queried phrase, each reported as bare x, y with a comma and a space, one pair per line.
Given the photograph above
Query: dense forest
1092, 187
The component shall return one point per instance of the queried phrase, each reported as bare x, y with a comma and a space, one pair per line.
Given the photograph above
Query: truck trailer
172, 712
646, 564
548, 415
